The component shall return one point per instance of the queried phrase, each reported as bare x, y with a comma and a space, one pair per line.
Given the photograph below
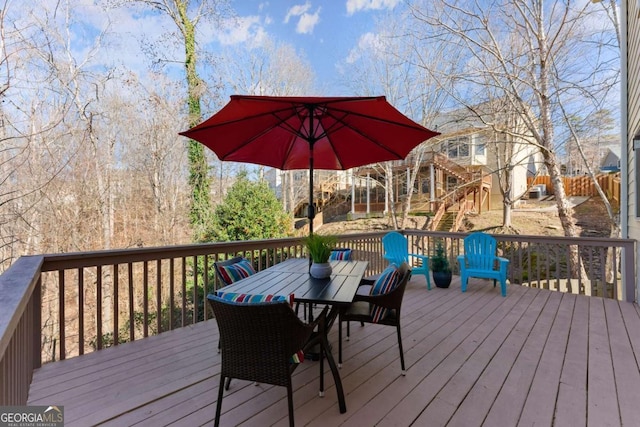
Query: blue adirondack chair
396, 251
480, 260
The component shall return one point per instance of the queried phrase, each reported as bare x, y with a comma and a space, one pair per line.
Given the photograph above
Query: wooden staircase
469, 182
451, 168
446, 222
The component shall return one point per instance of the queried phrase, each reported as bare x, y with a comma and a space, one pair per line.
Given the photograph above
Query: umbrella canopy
335, 133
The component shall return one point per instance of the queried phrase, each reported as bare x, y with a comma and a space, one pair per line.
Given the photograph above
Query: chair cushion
340, 255
248, 298
385, 283
298, 356
234, 272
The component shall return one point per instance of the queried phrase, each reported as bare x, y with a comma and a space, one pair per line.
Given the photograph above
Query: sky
325, 32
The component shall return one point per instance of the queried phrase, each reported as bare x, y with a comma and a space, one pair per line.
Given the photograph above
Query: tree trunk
198, 170
293, 202
388, 174
506, 215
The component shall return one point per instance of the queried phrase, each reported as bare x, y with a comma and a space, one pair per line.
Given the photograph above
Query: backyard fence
584, 185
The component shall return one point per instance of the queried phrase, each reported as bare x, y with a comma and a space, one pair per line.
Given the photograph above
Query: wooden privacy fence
584, 186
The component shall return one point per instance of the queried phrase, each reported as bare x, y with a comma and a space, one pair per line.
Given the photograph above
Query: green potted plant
319, 249
440, 267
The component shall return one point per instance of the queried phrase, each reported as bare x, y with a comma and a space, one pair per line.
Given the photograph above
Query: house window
425, 186
457, 147
452, 150
480, 149
403, 187
452, 183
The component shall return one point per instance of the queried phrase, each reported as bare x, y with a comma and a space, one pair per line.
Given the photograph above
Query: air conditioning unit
542, 188
537, 191
534, 193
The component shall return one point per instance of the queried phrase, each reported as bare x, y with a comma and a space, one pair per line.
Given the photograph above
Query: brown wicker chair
360, 309
218, 266
258, 340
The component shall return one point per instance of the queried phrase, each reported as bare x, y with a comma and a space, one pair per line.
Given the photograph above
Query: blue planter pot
442, 279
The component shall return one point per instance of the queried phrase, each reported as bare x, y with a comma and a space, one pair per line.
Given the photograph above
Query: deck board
625, 366
602, 402
533, 358
442, 334
542, 361
571, 404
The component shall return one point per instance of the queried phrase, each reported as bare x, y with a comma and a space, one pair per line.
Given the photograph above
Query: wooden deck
533, 358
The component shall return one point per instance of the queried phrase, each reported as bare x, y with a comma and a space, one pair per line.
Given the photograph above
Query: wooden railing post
20, 343
628, 266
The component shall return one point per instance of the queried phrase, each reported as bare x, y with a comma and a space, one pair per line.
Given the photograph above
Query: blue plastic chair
480, 260
396, 251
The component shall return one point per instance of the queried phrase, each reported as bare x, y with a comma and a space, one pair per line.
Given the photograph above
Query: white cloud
354, 6
307, 22
297, 10
241, 30
368, 42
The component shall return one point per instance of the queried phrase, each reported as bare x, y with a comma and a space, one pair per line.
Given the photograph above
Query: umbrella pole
311, 211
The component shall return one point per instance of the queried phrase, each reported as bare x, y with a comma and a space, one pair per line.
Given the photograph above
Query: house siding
633, 119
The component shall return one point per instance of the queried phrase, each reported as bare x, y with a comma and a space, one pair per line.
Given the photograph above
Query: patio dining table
292, 277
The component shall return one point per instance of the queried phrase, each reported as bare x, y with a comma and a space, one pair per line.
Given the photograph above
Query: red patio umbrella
335, 133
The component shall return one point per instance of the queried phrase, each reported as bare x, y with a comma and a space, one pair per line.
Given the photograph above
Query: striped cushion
234, 272
236, 297
340, 255
298, 357
386, 282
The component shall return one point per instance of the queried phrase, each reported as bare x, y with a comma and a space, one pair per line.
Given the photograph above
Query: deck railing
606, 266
63, 305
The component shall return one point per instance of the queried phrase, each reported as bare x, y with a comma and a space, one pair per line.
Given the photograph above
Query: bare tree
187, 15
32, 154
530, 53
83, 88
393, 62
146, 119
523, 52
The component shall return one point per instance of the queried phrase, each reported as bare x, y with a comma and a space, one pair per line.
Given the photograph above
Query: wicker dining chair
232, 270
366, 308
258, 341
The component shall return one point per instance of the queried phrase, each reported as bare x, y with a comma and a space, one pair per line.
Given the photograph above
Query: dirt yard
532, 217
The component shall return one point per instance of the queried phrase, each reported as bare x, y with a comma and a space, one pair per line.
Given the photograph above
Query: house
327, 183
462, 169
610, 161
593, 151
470, 140
630, 160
